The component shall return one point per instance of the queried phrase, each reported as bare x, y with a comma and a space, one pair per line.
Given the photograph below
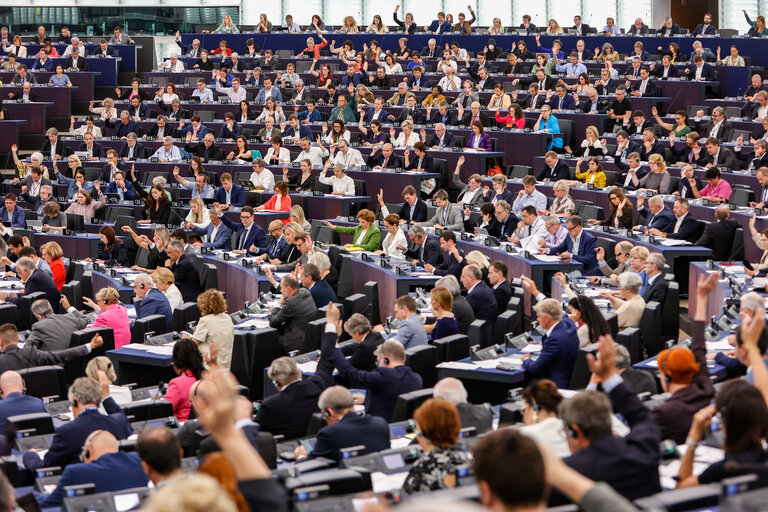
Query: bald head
100, 442
276, 225
722, 212
11, 382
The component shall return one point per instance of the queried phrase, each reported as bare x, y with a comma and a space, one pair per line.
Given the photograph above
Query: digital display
393, 461
398, 431
125, 502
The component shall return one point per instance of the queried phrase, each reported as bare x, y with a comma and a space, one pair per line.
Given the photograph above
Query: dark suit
502, 231
322, 293
361, 354
278, 248
15, 358
122, 129
40, 281
430, 252
558, 355
685, 187
684, 155
168, 131
16, 218
588, 106
628, 464
199, 149
609, 87
236, 195
658, 72
223, 236
660, 221
725, 157
503, 294
419, 212
61, 149
383, 115
54, 331
176, 115
292, 317
17, 403
448, 140
256, 236
724, 133
417, 115
450, 266
585, 256
708, 73
468, 116
110, 472
568, 102
187, 278
352, 430
69, 437
117, 256
288, 411
718, 236
154, 303
560, 172
393, 162
657, 148
449, 119
478, 416
97, 150
382, 385
422, 82
704, 30
657, 290
634, 129
426, 165
650, 89
139, 151
483, 303
688, 229
82, 64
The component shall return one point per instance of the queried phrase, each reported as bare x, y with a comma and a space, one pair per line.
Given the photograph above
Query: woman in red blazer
51, 252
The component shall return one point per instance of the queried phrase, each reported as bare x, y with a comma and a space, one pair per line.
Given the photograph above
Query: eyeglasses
246, 217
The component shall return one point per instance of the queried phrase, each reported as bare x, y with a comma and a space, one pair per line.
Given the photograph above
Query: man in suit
322, 293
705, 28
559, 346
23, 76
205, 149
645, 86
12, 212
690, 154
454, 259
507, 223
418, 81
427, 249
555, 169
638, 124
119, 38
138, 111
160, 452
471, 194
93, 149
176, 113
109, 169
592, 104
684, 227
668, 28
34, 280
439, 26
578, 246
366, 341
621, 254
719, 127
561, 100
297, 308
701, 71
161, 129
718, 156
377, 112
250, 238
447, 216
386, 159
14, 400
474, 114
410, 111
390, 379
659, 218
52, 332
478, 416
502, 292
52, 145
665, 70
123, 189
718, 235
217, 234
76, 62
229, 193
412, 210
581, 28
131, 150
104, 465
441, 138
480, 298
85, 395
345, 427
651, 145
184, 271
288, 411
544, 82
631, 168
628, 464
15, 358
657, 285
122, 126
484, 81
33, 184
278, 247
607, 84
151, 300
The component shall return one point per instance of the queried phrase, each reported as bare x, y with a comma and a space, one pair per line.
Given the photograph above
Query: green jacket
371, 241
350, 112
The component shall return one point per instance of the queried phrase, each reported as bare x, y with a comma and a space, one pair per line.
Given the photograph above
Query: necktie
474, 118
541, 85
560, 104
386, 159
241, 244
690, 157
765, 194
529, 230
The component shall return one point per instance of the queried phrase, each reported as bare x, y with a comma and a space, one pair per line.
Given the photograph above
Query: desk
486, 385
33, 116
240, 284
78, 246
142, 367
9, 133
60, 97
82, 82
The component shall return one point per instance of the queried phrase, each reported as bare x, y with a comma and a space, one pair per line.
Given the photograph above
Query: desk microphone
153, 403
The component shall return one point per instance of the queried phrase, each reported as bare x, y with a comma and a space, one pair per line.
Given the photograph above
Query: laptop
36, 225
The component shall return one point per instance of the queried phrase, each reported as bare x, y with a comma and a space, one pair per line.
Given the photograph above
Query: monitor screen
124, 502
393, 461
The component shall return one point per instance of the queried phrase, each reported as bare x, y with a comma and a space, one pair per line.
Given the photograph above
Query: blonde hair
200, 207
75, 159
593, 131
196, 493
163, 275
100, 363
108, 295
292, 226
53, 249
108, 103
298, 212
658, 160
211, 302
478, 258
640, 252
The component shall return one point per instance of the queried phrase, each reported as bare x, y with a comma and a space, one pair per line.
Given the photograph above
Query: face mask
491, 47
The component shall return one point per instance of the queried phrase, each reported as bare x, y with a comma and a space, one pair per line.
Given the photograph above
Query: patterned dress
429, 472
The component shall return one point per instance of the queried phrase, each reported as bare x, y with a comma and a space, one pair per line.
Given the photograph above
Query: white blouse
391, 242
401, 142
206, 219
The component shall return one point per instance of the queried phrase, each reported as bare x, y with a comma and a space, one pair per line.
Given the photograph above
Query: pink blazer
116, 317
178, 395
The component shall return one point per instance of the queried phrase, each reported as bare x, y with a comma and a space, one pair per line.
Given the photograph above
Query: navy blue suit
223, 236
187, 278
154, 303
40, 281
122, 130
16, 403
568, 102
142, 112
707, 73
352, 430
585, 256
139, 151
688, 229
558, 355
422, 82
448, 119
110, 472
450, 266
427, 162
129, 194
661, 220
323, 294
70, 437
304, 131
236, 195
431, 254
436, 26
383, 115
560, 172
483, 303
419, 211
97, 150
447, 142
16, 219
278, 249
256, 235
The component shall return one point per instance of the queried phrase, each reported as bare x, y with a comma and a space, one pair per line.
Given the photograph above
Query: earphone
386, 360
570, 432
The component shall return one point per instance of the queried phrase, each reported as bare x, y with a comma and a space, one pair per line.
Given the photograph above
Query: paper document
384, 483
532, 347
259, 323
719, 346
490, 364
163, 350
547, 257
308, 367
456, 365
671, 242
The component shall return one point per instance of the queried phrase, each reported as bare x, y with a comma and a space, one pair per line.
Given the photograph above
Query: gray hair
26, 264
656, 201
260, 162
168, 138
335, 398
752, 301
504, 205
321, 260
131, 135
622, 357
357, 322
284, 370
561, 185
37, 157
51, 131
417, 230
175, 55
550, 307
159, 180
553, 220
75, 39
719, 110
41, 307
85, 391
590, 411
144, 279
47, 188
175, 244
297, 82
657, 259
125, 112
630, 281
451, 283
451, 390
391, 349
474, 271
175, 101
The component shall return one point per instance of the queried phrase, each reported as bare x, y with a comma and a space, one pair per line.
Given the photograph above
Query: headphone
570, 432
626, 255
386, 361
142, 286
86, 452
